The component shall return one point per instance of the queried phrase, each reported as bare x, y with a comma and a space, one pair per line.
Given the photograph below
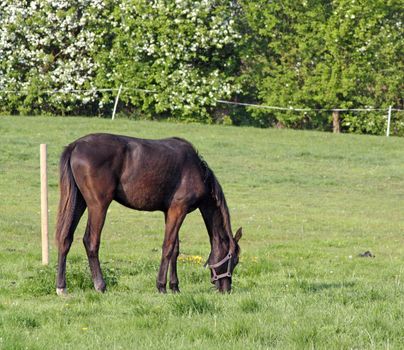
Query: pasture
309, 204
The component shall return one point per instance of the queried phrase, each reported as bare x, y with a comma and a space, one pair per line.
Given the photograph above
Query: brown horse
166, 175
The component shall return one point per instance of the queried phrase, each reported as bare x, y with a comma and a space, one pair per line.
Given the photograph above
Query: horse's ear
238, 235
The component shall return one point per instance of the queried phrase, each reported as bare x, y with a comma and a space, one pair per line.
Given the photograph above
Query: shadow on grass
313, 287
186, 304
41, 281
250, 305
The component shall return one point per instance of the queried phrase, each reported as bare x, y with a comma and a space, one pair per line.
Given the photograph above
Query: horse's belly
141, 197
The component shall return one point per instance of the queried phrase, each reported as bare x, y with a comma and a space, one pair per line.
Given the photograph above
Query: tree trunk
335, 122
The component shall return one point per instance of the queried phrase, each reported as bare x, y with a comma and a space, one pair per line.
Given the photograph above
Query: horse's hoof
174, 288
101, 288
61, 291
161, 287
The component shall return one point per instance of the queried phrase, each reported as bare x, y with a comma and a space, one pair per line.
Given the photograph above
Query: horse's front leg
173, 267
174, 219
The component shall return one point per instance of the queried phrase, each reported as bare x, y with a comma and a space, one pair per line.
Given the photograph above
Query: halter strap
217, 277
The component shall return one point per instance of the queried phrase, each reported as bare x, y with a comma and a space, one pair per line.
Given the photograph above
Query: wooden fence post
335, 122
44, 205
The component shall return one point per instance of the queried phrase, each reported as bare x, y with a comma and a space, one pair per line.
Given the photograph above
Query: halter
217, 277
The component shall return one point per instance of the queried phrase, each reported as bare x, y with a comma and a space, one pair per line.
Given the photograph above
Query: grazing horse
165, 175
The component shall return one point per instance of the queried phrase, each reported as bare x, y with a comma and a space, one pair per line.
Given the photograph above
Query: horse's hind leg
91, 240
173, 267
174, 218
64, 243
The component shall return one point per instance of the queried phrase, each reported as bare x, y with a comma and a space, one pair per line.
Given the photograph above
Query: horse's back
99, 151
158, 172
139, 173
115, 151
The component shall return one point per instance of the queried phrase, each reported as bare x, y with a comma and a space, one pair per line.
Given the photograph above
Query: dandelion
195, 259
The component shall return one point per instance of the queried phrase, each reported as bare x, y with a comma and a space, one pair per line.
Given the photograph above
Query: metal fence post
388, 122
116, 102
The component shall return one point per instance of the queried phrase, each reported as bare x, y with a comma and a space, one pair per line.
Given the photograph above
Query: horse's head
222, 271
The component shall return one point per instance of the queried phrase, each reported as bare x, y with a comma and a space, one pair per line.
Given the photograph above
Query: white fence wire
388, 110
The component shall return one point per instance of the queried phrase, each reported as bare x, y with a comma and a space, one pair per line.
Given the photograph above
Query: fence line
67, 91
291, 109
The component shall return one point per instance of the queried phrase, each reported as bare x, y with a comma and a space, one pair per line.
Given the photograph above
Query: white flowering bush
47, 45
176, 58
182, 50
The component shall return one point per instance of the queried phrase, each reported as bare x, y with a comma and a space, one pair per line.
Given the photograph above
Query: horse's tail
68, 196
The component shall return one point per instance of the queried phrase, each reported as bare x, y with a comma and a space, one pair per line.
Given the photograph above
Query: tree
181, 52
176, 58
47, 45
323, 55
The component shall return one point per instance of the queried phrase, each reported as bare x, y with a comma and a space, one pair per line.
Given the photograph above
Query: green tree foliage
176, 58
322, 55
184, 52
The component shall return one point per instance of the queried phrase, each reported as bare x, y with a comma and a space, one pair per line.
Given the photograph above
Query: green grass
308, 202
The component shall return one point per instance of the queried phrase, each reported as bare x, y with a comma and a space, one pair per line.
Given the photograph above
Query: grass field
309, 204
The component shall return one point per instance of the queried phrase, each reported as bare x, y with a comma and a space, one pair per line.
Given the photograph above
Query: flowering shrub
47, 45
176, 58
182, 50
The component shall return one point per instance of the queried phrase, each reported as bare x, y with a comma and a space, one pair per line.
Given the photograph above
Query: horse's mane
217, 196
216, 192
